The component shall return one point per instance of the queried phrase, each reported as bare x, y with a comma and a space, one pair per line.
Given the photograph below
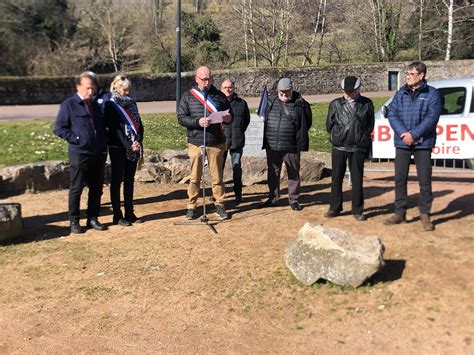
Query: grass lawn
31, 141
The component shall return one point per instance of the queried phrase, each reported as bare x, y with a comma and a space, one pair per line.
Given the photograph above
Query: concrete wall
249, 82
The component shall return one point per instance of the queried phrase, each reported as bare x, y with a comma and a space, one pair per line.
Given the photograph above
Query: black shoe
220, 210
122, 222
191, 214
133, 219
95, 224
295, 206
238, 201
76, 228
268, 203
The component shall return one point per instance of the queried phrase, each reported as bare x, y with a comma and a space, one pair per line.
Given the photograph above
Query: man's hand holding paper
219, 117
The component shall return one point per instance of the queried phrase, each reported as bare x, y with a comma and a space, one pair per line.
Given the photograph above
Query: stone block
11, 224
333, 255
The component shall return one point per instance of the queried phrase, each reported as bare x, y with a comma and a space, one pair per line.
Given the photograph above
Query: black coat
349, 129
287, 131
190, 110
235, 132
116, 128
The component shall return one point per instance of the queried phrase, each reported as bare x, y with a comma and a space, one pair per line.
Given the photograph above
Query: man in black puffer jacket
235, 135
194, 108
349, 123
288, 119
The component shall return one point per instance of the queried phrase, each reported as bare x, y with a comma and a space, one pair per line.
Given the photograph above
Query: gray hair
89, 75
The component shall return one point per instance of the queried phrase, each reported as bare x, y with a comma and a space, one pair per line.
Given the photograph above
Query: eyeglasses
411, 75
204, 79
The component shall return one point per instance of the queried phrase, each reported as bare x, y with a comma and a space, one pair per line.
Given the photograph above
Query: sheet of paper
216, 117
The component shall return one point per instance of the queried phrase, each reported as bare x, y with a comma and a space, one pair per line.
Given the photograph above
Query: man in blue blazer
413, 115
80, 123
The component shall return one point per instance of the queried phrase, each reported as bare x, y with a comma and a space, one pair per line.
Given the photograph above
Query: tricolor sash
209, 104
128, 119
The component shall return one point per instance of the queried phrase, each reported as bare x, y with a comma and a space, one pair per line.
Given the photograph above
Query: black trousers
84, 170
356, 168
423, 170
275, 159
123, 170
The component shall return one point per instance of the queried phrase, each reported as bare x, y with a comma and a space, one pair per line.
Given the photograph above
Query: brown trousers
215, 161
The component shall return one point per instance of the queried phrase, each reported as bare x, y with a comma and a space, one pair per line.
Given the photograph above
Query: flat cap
284, 84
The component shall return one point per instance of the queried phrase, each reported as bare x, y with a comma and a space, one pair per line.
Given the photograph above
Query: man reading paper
193, 113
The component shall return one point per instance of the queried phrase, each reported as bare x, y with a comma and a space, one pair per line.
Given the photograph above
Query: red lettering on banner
439, 130
443, 149
384, 133
465, 129
451, 132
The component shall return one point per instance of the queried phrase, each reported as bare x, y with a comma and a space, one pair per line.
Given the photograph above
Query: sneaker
426, 222
191, 214
395, 219
331, 214
220, 210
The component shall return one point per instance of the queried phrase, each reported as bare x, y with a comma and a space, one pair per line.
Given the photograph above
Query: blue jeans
236, 157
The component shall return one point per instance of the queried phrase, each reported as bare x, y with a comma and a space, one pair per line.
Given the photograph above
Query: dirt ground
161, 287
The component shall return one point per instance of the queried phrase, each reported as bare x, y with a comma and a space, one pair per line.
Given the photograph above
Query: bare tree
115, 25
451, 11
307, 57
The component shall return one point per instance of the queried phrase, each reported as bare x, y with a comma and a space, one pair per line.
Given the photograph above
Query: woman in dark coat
125, 131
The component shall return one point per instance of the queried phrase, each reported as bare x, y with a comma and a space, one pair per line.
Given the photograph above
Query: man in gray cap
288, 119
349, 123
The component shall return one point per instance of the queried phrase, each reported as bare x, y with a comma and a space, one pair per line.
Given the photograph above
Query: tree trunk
420, 29
313, 37
321, 39
450, 7
252, 33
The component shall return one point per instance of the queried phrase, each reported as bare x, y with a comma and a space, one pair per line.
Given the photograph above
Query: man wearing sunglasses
194, 108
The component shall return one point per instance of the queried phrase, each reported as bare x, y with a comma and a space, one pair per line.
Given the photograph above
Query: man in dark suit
80, 123
235, 135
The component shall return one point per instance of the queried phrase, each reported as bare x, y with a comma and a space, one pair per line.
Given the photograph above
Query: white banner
455, 139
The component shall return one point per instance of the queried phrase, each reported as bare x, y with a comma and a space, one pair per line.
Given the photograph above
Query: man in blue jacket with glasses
413, 115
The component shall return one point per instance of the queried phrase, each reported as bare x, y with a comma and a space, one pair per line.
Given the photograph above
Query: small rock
11, 224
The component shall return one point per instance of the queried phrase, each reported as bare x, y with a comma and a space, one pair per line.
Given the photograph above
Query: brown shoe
394, 219
426, 223
331, 214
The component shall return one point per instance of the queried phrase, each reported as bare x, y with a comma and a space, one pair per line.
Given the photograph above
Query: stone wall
249, 82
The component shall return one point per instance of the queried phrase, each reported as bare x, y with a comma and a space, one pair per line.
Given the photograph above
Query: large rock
11, 225
333, 255
41, 176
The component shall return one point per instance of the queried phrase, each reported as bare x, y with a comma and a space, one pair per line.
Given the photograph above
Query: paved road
29, 112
